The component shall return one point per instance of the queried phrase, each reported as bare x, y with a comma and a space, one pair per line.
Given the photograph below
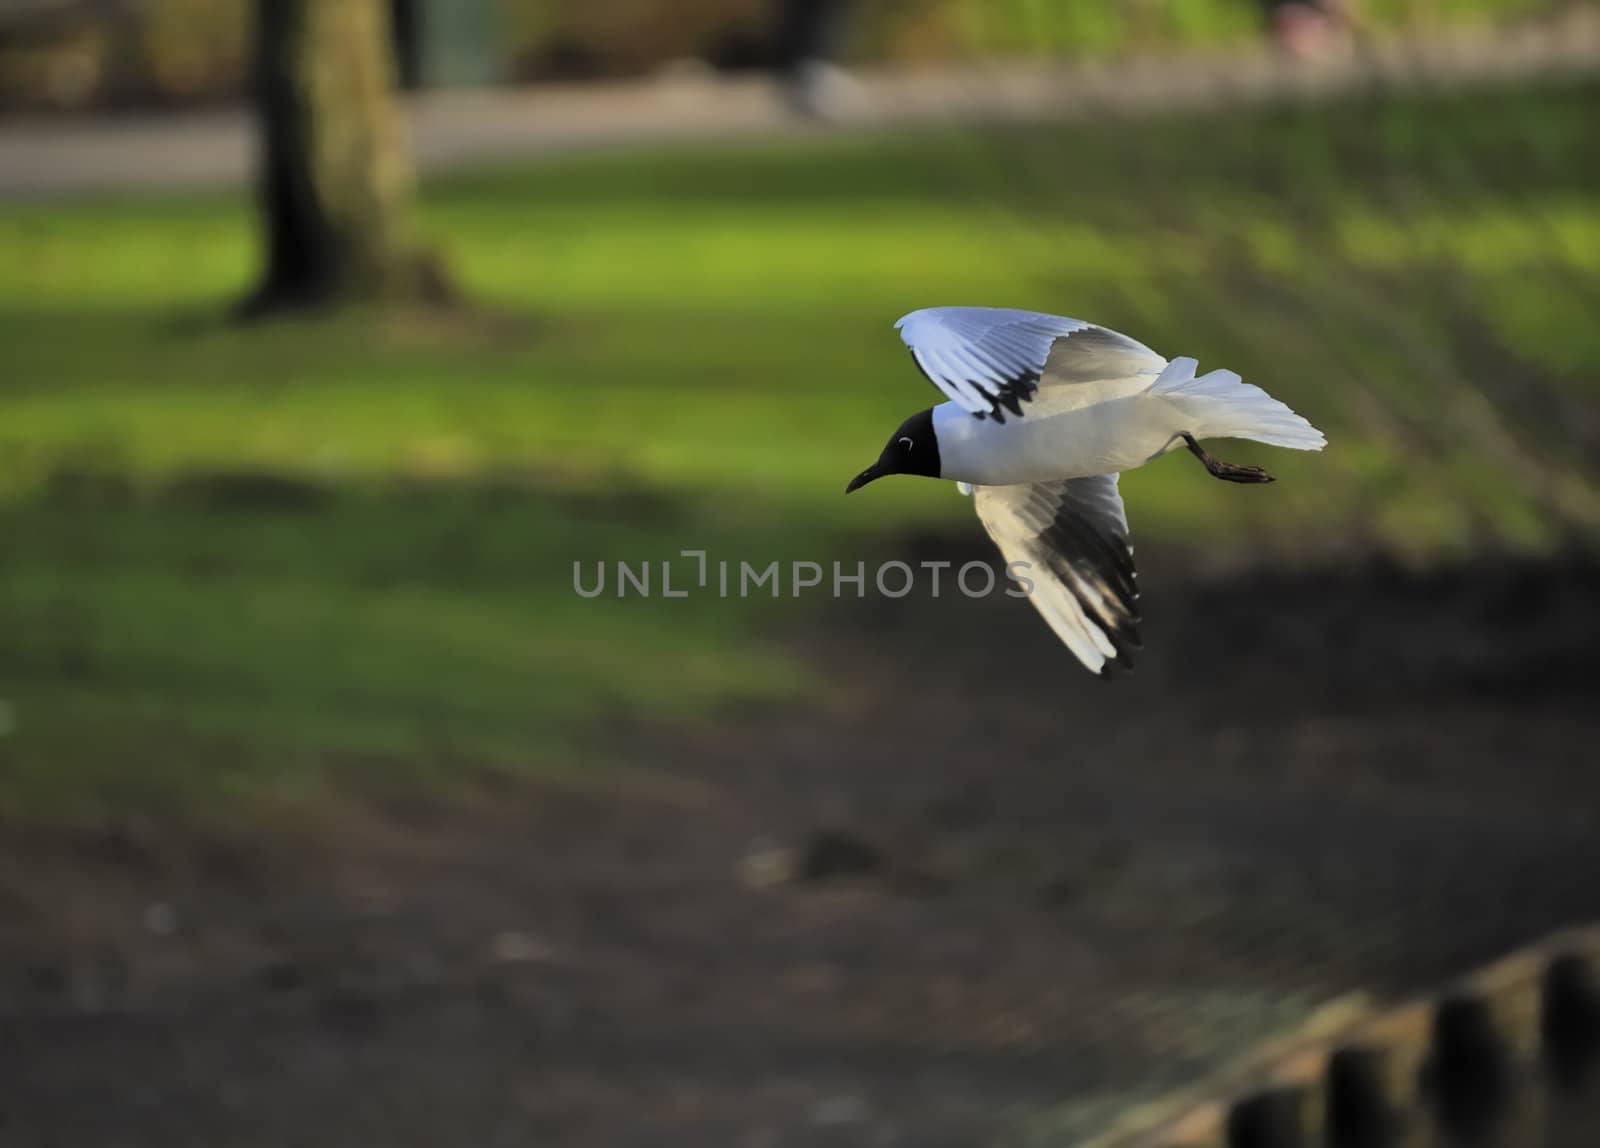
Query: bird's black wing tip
1118, 667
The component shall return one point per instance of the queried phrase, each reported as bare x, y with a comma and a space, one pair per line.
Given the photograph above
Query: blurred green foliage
173, 51
237, 560
625, 37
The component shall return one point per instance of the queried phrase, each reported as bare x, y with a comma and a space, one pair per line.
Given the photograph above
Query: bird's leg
1227, 471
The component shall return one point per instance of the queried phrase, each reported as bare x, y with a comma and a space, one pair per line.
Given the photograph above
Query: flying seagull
1044, 412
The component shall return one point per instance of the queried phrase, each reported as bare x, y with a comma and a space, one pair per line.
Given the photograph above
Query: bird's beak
866, 476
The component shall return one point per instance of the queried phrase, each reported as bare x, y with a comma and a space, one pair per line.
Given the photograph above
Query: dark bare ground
1074, 893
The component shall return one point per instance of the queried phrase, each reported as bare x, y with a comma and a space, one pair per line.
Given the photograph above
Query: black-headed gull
1044, 413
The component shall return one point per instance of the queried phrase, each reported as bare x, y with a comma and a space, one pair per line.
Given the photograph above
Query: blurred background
333, 333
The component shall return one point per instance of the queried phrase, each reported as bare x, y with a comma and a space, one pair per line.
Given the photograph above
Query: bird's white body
1102, 404
1116, 432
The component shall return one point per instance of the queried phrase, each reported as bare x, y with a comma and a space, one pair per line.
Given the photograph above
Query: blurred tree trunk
335, 177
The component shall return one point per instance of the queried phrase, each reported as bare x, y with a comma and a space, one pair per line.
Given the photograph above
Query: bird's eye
904, 443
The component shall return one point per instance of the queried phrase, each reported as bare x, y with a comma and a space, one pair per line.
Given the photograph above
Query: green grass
1419, 277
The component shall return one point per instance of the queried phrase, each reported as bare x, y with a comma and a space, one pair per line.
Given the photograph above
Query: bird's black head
914, 449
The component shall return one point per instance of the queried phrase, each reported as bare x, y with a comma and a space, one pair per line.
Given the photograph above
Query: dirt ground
1019, 899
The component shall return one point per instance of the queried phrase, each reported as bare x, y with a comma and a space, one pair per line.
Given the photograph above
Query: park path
44, 157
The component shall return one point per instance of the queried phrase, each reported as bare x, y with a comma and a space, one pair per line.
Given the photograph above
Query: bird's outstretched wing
1073, 536
990, 360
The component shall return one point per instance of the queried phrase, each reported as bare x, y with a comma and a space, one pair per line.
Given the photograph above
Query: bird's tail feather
1219, 405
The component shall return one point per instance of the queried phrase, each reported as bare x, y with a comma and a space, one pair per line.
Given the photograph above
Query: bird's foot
1227, 471
1235, 472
